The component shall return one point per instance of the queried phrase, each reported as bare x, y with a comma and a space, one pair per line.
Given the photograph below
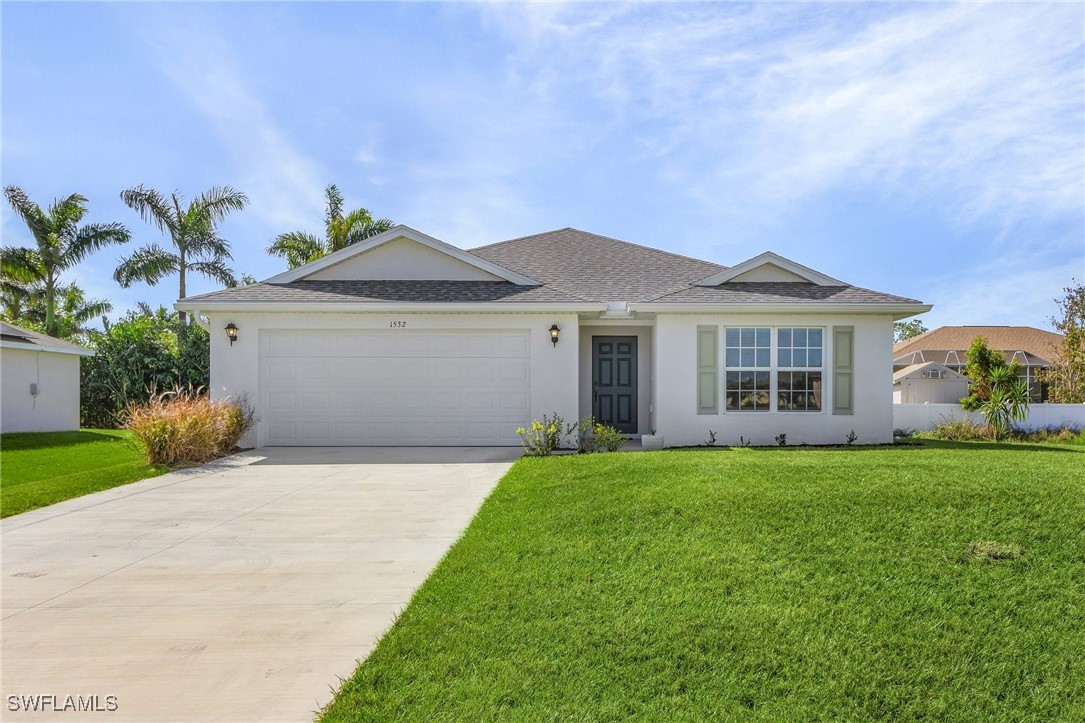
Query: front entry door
614, 381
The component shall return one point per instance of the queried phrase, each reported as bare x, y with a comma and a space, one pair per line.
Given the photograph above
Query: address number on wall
397, 324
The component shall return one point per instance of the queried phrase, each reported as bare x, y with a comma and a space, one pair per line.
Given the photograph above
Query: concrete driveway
239, 591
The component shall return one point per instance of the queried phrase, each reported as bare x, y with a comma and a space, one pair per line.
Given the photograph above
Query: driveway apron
238, 591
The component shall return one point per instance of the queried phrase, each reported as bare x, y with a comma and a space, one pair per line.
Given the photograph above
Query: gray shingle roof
774, 292
597, 267
402, 291
572, 266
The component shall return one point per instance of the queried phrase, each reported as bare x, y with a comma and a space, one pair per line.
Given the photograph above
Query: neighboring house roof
921, 371
16, 337
1024, 344
566, 268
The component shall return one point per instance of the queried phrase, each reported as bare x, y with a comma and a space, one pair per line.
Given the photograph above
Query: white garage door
394, 387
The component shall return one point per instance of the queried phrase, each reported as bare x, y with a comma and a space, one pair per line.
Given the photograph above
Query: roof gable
769, 267
402, 254
923, 371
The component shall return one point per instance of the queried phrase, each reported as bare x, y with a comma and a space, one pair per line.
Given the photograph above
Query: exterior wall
56, 406
403, 259
645, 368
921, 417
235, 371
935, 391
676, 386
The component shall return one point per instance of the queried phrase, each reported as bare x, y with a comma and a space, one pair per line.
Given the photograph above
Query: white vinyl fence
921, 417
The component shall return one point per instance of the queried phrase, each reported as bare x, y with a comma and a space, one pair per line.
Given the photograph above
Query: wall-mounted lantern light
554, 330
231, 331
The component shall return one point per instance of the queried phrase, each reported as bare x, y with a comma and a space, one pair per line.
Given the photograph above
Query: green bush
138, 357
957, 430
540, 439
598, 437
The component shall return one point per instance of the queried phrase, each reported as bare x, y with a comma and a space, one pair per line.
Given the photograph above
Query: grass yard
41, 469
793, 584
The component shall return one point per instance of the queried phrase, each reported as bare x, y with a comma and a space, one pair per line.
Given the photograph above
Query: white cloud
754, 107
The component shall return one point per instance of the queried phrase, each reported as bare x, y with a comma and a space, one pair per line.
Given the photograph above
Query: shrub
598, 437
957, 430
144, 354
180, 428
542, 438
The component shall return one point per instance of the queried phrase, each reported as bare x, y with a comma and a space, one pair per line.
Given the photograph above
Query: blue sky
932, 151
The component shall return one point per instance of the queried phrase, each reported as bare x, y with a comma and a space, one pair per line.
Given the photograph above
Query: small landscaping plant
185, 427
598, 437
540, 439
953, 429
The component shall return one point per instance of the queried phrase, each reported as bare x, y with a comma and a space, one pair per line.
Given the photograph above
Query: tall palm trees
299, 247
192, 230
60, 242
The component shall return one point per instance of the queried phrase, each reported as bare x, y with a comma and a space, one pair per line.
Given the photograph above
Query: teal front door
614, 381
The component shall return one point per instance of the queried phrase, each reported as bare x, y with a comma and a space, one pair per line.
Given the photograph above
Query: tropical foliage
340, 231
192, 231
25, 306
143, 355
1007, 401
1067, 373
32, 275
982, 364
904, 330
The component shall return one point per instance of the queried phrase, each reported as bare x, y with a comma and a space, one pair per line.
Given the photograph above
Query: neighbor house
928, 383
39, 376
405, 340
1032, 349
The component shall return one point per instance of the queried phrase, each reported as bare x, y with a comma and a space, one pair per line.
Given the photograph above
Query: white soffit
769, 267
393, 234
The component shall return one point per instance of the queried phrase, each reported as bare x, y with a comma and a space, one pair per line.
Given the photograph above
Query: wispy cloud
284, 183
756, 107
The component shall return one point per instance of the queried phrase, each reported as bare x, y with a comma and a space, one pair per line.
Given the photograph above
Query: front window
755, 384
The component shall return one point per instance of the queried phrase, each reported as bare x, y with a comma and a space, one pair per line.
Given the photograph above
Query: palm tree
61, 244
299, 247
192, 230
26, 305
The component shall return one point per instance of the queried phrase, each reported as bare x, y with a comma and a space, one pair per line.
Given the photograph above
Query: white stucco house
39, 381
406, 340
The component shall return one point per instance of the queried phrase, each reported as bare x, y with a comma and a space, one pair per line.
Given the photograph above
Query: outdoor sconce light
554, 330
231, 331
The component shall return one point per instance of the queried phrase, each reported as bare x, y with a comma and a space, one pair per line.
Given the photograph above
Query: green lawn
794, 584
41, 469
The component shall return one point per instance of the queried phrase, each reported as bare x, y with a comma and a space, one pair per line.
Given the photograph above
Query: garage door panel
366, 387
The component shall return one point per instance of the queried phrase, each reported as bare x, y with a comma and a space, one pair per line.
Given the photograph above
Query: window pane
799, 337
798, 358
783, 337
732, 380
815, 337
732, 337
763, 359
763, 337
747, 357
784, 357
814, 358
747, 337
732, 357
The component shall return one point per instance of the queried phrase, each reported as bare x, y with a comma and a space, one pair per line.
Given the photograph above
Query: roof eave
80, 351
390, 306
896, 310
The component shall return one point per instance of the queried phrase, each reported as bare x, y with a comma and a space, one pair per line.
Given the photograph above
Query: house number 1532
397, 324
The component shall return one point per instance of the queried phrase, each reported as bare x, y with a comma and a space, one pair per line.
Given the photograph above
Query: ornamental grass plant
186, 427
